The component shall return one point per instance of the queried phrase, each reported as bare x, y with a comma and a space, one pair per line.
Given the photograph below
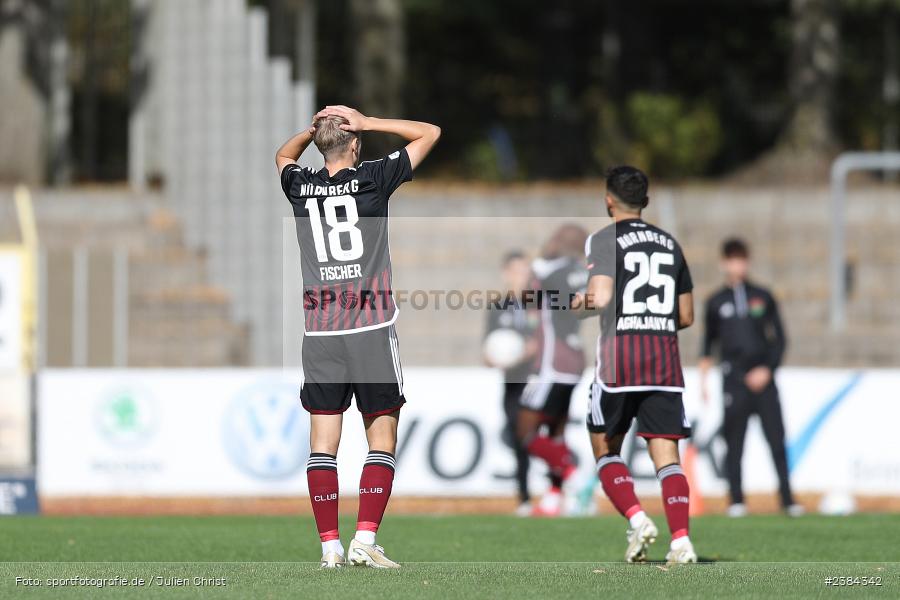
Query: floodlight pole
842, 166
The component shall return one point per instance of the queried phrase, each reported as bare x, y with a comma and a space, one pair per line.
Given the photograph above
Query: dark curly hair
629, 186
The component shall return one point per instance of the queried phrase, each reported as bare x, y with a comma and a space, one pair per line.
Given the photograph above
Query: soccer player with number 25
350, 345
641, 287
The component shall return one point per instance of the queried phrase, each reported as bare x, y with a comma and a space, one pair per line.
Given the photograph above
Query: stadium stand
176, 317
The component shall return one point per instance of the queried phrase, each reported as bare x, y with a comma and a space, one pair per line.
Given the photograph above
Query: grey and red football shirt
561, 356
638, 344
342, 229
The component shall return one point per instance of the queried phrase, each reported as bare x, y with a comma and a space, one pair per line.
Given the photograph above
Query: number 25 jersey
638, 345
342, 229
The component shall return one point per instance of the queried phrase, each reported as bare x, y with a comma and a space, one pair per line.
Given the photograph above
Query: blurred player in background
641, 286
512, 315
742, 325
350, 346
559, 364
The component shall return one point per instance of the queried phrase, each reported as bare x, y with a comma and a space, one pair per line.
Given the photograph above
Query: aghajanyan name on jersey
645, 323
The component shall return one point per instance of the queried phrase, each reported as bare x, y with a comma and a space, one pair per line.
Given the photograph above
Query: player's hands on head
356, 121
322, 114
319, 115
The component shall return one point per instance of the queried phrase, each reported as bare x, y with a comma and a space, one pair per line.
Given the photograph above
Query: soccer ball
504, 348
837, 504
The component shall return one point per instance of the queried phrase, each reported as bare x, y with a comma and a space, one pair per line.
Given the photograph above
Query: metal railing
82, 337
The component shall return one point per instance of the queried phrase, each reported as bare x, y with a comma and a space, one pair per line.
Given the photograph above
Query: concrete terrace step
171, 267
224, 348
200, 300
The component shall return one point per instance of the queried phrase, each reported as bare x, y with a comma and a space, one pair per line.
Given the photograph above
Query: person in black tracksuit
742, 324
513, 314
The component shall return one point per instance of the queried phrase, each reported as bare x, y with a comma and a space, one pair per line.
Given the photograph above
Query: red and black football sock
375, 485
322, 478
556, 481
618, 484
553, 452
568, 462
676, 499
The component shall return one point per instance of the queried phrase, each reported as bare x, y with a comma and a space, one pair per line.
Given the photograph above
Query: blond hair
330, 139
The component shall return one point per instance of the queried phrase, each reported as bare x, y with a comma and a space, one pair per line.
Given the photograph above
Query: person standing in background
559, 363
512, 314
743, 327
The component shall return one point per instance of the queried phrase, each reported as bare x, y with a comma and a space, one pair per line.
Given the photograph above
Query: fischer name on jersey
342, 229
638, 344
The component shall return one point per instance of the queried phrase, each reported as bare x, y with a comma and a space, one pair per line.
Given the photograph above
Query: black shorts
660, 414
548, 397
364, 364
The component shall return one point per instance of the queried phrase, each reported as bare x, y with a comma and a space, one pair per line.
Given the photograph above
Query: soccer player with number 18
641, 287
350, 347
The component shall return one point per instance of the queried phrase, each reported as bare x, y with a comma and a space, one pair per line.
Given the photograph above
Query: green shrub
660, 133
670, 138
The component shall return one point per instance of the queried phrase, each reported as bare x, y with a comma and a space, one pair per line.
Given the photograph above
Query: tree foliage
529, 89
576, 84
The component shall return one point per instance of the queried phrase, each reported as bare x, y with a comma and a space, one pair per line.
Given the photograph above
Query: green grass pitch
450, 557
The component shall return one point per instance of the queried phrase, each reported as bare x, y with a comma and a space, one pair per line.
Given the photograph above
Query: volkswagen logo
266, 431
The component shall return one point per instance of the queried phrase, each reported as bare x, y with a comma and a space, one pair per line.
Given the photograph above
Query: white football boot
332, 560
639, 539
550, 504
681, 555
737, 510
370, 555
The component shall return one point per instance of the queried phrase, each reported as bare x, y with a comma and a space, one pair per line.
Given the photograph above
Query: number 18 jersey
342, 229
638, 345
